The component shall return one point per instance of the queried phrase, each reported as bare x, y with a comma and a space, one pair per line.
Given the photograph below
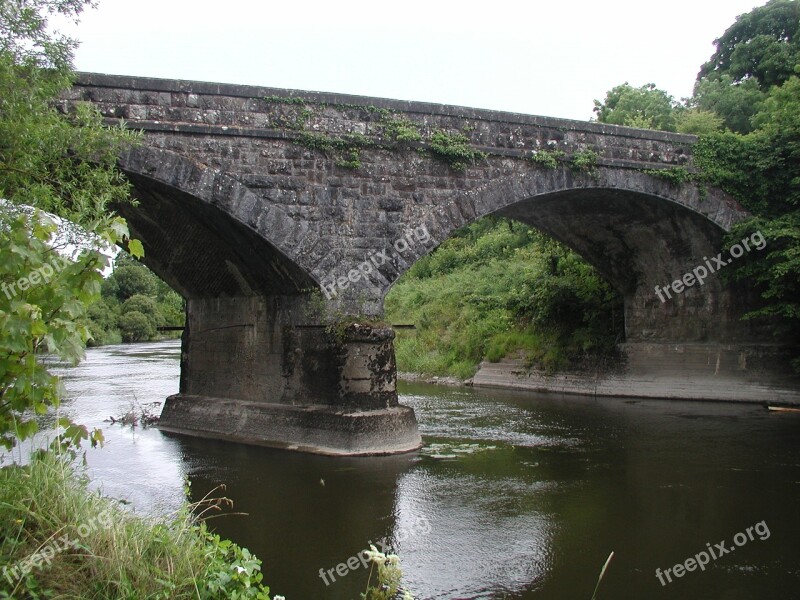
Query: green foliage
735, 102
697, 121
675, 175
388, 574
171, 306
97, 550
147, 303
143, 304
295, 118
454, 149
749, 82
400, 129
646, 107
133, 288
497, 287
780, 113
584, 160
65, 165
344, 149
62, 164
101, 320
774, 273
24, 35
132, 280
759, 51
762, 45
136, 327
752, 168
43, 298
549, 159
285, 100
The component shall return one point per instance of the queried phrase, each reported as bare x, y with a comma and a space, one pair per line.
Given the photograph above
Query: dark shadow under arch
194, 225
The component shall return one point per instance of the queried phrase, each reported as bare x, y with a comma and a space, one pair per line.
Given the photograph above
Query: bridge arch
205, 233
636, 229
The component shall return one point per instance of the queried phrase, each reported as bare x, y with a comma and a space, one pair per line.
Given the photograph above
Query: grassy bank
60, 540
498, 287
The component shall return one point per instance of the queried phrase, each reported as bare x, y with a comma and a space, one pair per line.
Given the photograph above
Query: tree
759, 51
145, 306
132, 280
647, 107
136, 327
762, 45
56, 163
173, 308
735, 102
698, 122
762, 170
102, 323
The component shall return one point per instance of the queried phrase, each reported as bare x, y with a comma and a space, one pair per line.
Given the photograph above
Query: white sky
539, 57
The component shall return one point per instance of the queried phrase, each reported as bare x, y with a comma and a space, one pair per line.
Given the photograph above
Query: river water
515, 496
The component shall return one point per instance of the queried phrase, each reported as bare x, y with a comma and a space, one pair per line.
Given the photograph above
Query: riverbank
59, 538
705, 372
432, 379
713, 372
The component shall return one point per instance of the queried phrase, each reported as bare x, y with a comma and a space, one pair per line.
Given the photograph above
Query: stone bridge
284, 218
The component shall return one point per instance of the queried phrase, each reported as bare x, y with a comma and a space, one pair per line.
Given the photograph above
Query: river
515, 495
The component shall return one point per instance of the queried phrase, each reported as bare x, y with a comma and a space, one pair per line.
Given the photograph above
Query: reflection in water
306, 512
514, 496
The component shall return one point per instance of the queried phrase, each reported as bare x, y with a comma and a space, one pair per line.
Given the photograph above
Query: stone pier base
265, 371
318, 429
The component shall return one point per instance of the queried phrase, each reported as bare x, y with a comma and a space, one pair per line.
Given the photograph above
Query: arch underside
629, 237
638, 231
639, 241
203, 252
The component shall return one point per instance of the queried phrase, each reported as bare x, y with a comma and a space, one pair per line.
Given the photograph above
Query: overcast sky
538, 57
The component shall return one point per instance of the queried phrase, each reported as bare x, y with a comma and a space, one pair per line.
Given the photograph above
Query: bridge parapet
160, 105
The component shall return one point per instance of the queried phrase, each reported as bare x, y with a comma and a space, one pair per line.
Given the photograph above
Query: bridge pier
259, 370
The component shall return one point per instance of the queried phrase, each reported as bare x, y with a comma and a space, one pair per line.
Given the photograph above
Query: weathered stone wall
272, 349
254, 370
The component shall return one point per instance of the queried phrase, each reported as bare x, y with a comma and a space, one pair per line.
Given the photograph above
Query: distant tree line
134, 302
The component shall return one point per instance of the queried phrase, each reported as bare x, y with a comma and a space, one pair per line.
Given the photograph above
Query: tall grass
60, 540
500, 288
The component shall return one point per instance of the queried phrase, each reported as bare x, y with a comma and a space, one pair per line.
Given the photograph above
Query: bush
495, 288
132, 280
145, 305
136, 327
